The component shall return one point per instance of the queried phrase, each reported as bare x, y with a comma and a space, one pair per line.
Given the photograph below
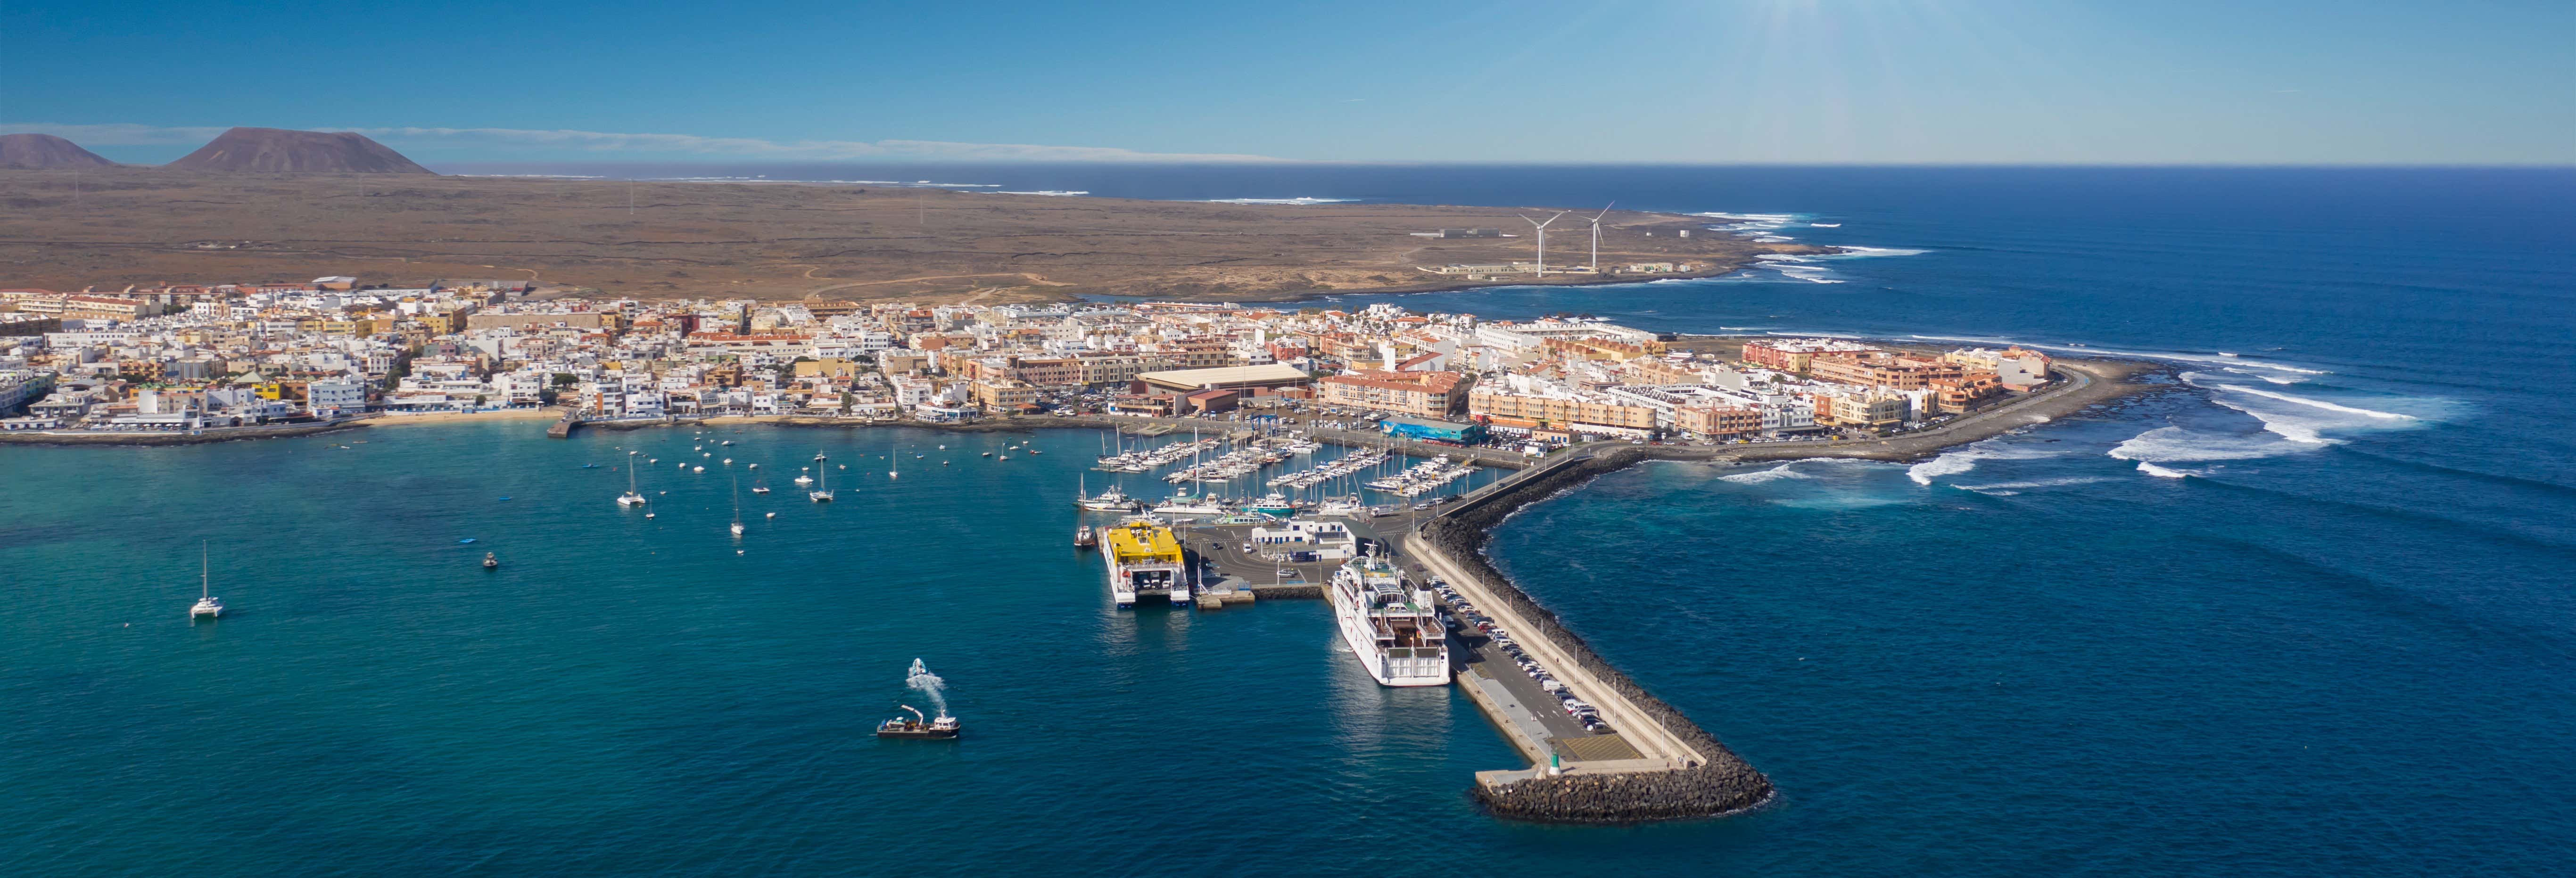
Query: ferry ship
1144, 559
1391, 625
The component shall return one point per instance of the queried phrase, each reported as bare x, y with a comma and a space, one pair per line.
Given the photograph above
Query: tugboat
491, 561
945, 728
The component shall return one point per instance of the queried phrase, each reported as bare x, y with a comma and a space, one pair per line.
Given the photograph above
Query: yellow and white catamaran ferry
1145, 560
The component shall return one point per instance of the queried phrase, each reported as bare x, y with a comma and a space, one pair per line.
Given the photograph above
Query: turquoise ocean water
2304, 611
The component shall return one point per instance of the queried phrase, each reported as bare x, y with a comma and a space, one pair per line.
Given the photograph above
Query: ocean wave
2319, 403
1773, 474
1827, 225
2017, 487
2276, 379
2174, 444
2160, 472
1952, 463
1289, 201
1058, 193
1855, 251
2172, 356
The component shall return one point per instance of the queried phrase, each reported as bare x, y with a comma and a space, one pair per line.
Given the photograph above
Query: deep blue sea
2310, 609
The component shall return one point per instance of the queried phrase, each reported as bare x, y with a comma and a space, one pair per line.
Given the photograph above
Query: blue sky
1859, 81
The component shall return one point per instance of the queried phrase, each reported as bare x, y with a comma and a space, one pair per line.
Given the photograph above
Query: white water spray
930, 685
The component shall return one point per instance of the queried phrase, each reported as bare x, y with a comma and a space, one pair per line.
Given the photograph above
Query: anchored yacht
1391, 625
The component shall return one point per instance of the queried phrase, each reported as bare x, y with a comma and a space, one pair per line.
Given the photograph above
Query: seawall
1701, 777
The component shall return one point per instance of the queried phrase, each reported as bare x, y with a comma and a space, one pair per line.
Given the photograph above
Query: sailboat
759, 484
890, 464
822, 492
208, 605
737, 506
631, 497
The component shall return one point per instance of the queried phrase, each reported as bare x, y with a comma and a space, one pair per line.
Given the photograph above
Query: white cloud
115, 134
502, 141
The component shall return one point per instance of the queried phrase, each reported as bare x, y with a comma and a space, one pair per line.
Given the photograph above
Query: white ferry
1392, 626
1145, 560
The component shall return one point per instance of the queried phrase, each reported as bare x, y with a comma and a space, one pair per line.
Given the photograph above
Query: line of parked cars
1462, 615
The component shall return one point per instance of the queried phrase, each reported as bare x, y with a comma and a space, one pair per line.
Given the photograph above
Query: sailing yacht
891, 466
631, 497
737, 507
822, 492
208, 605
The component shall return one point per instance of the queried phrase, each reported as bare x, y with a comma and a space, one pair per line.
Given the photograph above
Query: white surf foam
2276, 379
2160, 472
2319, 403
2017, 487
2172, 444
1290, 201
1952, 463
1773, 474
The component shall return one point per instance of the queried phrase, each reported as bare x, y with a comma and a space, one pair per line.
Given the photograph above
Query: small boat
944, 728
491, 561
726, 442
1084, 538
697, 469
818, 457
988, 454
773, 515
805, 478
208, 605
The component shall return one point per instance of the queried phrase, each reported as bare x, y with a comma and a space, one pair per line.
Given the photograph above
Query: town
197, 358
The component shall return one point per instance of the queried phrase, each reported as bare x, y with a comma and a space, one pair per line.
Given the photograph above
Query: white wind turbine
1542, 239
1596, 236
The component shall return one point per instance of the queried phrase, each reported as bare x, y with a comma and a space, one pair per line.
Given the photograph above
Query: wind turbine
1542, 240
1596, 236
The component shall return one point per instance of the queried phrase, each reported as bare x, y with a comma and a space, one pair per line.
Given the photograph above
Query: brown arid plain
109, 228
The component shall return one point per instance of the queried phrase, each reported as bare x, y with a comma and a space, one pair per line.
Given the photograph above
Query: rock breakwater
1720, 782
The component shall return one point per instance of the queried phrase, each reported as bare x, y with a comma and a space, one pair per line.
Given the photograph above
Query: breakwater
195, 437
1700, 777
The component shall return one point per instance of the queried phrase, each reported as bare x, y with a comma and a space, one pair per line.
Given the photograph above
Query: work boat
1390, 625
944, 727
1144, 560
208, 605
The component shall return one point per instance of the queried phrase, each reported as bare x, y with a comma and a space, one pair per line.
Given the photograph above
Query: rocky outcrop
1724, 784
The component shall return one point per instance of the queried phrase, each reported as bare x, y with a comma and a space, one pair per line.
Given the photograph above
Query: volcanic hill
279, 151
46, 151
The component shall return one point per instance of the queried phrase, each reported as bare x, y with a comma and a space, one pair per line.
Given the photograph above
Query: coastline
217, 434
535, 414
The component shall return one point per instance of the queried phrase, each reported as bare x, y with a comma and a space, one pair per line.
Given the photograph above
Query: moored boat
1392, 626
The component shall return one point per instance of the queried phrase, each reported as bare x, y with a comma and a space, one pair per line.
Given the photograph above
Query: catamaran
1144, 559
737, 507
1390, 625
208, 605
822, 492
631, 497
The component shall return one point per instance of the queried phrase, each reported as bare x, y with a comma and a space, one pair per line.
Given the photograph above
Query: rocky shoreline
218, 434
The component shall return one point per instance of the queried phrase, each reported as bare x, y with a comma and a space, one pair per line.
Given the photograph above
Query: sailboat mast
205, 571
